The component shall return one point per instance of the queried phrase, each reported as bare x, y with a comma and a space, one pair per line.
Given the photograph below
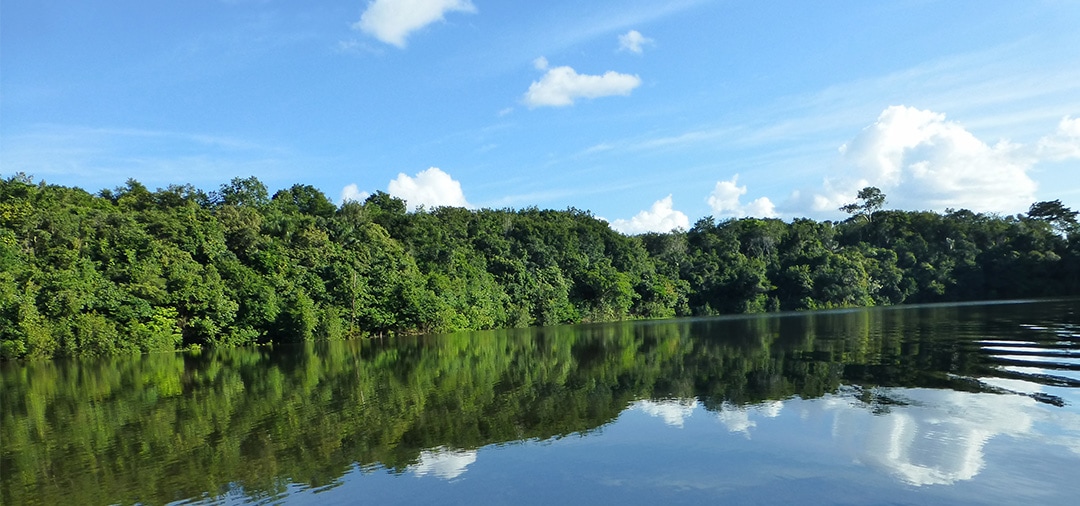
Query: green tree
1060, 217
870, 201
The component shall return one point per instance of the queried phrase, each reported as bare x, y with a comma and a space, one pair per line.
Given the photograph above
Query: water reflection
672, 411
931, 437
920, 436
737, 418
443, 462
921, 395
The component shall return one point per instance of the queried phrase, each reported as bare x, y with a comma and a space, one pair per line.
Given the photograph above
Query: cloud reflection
921, 437
673, 411
737, 418
443, 462
930, 437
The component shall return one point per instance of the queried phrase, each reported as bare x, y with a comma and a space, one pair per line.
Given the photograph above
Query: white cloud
922, 161
724, 201
353, 193
633, 41
560, 86
725, 197
660, 218
760, 207
1064, 144
391, 21
430, 188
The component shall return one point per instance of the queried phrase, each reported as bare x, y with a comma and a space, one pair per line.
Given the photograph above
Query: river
937, 404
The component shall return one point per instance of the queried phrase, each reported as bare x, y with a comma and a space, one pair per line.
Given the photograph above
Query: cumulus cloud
633, 41
1064, 144
353, 193
560, 86
430, 188
660, 218
391, 21
922, 161
724, 201
760, 207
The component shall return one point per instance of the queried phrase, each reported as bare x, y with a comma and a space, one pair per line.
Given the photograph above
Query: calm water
949, 404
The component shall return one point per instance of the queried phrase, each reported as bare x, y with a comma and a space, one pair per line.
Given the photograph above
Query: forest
131, 270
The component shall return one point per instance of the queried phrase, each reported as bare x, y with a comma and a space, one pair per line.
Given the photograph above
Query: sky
651, 115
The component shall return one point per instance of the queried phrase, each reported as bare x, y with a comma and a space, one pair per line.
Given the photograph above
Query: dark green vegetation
165, 427
131, 270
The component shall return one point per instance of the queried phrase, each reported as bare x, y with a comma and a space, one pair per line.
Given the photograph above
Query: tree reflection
159, 428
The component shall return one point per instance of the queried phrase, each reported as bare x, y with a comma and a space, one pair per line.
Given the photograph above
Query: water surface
949, 404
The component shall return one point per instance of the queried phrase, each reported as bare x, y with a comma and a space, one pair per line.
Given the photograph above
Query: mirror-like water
950, 404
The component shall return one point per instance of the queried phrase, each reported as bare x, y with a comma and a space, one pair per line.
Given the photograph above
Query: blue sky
649, 114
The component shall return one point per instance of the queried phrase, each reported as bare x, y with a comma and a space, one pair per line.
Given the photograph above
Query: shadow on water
168, 427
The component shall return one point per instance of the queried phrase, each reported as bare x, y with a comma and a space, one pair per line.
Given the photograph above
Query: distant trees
134, 270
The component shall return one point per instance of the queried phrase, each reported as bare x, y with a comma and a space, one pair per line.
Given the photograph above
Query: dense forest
134, 270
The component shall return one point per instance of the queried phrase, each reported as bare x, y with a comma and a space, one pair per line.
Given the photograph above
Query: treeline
134, 270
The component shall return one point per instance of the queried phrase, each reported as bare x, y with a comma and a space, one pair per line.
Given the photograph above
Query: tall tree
1060, 217
870, 201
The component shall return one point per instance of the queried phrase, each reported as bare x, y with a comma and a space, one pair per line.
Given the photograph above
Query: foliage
1061, 217
133, 271
870, 201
